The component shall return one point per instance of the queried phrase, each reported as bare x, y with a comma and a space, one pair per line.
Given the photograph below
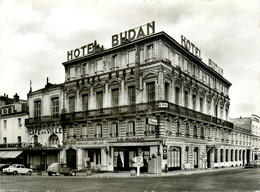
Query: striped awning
2, 153
11, 154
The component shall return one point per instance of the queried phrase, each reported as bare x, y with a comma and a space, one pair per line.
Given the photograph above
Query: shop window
85, 102
174, 160
99, 98
130, 128
114, 129
150, 91
37, 110
71, 104
98, 133
55, 107
115, 97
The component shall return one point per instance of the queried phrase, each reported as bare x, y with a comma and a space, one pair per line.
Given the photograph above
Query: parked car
17, 169
60, 168
253, 164
2, 166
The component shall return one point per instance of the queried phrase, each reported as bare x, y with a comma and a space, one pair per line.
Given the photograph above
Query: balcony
152, 107
42, 120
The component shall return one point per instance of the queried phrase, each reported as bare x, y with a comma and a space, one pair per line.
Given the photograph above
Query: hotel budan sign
97, 143
133, 34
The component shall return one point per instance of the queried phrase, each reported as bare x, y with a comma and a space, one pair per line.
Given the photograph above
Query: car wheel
73, 173
29, 173
15, 173
50, 173
57, 174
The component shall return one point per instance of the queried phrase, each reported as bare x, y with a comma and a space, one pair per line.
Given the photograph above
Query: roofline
154, 35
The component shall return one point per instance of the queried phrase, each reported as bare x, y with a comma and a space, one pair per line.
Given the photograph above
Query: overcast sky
36, 35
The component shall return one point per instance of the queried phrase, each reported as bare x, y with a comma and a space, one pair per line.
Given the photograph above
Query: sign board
138, 164
152, 121
163, 105
98, 143
138, 159
190, 47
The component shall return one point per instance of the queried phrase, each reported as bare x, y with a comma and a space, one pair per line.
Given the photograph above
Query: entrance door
71, 158
174, 161
248, 155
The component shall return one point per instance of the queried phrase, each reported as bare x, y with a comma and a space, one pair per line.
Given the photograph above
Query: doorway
71, 158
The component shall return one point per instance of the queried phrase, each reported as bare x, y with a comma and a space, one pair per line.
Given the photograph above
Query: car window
22, 166
18, 166
12, 166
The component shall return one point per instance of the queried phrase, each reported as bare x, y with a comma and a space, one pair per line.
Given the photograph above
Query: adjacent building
13, 133
251, 124
146, 96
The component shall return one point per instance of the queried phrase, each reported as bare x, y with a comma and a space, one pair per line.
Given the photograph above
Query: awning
11, 154
2, 153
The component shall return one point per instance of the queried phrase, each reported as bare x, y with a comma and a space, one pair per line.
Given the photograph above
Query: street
239, 179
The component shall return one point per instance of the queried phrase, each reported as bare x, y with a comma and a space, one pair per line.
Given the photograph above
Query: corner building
146, 97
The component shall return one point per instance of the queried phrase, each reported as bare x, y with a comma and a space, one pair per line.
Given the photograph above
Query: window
185, 65
5, 124
5, 140
54, 140
150, 129
35, 139
19, 139
177, 128
98, 131
114, 130
123, 60
115, 97
84, 131
37, 110
208, 105
187, 130
177, 57
187, 154
235, 155
141, 56
131, 57
149, 52
166, 52
201, 75
174, 161
202, 132
177, 93
201, 104
19, 122
186, 98
150, 91
71, 104
99, 98
99, 66
166, 91
130, 128
232, 155
194, 101
55, 107
195, 131
115, 63
131, 95
85, 102
71, 72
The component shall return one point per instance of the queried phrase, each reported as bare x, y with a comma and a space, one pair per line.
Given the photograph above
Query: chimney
16, 98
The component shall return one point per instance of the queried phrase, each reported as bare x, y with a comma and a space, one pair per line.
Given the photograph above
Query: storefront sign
46, 131
190, 47
138, 161
83, 50
163, 105
99, 143
130, 139
152, 121
133, 34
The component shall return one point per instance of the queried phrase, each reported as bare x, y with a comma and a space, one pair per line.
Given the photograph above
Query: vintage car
17, 169
253, 164
60, 168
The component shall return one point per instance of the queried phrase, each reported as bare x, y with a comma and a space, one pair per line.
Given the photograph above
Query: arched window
130, 128
35, 139
232, 155
221, 155
114, 129
195, 131
240, 155
236, 155
187, 154
53, 141
226, 155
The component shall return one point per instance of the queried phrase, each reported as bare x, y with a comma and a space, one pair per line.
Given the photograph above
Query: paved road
241, 179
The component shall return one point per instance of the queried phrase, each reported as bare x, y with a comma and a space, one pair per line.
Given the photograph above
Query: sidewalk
126, 174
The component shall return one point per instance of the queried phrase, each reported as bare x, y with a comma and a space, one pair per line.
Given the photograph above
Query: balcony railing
155, 107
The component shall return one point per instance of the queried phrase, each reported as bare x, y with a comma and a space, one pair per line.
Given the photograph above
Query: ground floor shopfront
171, 155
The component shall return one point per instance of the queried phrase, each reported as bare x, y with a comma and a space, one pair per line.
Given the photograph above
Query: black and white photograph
130, 95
